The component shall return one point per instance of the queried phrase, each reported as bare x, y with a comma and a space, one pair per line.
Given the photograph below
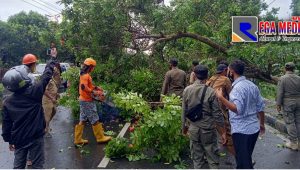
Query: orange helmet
29, 58
90, 62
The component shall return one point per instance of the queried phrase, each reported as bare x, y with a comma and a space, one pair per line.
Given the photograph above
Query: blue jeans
36, 150
244, 146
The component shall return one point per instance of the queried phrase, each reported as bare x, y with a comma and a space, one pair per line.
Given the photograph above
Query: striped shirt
246, 96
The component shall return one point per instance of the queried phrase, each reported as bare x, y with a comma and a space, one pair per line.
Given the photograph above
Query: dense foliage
117, 148
133, 40
119, 33
295, 6
158, 130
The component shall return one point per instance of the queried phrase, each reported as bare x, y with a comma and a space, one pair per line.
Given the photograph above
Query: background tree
29, 33
138, 35
295, 6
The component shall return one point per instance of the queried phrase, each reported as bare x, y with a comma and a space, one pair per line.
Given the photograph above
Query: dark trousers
36, 150
244, 146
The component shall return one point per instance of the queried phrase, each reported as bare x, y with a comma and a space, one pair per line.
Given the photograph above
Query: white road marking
104, 162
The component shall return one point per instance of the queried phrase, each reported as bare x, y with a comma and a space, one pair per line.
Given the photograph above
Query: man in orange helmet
88, 110
23, 115
30, 61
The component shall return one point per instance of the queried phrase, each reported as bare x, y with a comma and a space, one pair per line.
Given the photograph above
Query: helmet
29, 58
90, 62
16, 78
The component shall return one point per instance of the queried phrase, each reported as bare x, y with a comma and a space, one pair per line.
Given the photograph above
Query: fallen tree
252, 71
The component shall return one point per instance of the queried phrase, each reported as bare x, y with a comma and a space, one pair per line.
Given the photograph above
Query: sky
50, 7
44, 7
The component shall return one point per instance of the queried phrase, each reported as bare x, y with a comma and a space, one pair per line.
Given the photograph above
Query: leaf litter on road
222, 154
280, 146
110, 133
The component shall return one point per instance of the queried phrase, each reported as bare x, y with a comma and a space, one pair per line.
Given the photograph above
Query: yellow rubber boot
99, 133
78, 135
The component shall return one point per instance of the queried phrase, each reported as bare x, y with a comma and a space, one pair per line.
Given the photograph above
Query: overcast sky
50, 7
45, 7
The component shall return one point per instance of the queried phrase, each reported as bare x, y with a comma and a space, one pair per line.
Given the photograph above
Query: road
60, 152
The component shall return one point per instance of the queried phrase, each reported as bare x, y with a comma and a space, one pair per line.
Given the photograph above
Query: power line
46, 6
53, 6
271, 2
37, 7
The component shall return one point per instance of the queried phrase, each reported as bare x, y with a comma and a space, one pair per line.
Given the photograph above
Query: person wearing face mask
23, 115
246, 114
175, 80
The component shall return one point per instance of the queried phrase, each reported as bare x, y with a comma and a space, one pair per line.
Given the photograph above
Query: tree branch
251, 71
164, 38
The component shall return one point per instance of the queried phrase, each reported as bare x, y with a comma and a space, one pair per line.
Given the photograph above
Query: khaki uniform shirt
175, 82
288, 87
223, 82
52, 90
211, 110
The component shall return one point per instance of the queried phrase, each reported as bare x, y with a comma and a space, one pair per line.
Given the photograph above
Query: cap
290, 65
221, 68
195, 63
201, 72
173, 61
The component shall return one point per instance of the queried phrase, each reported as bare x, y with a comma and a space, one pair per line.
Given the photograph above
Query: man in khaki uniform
221, 81
288, 98
175, 80
202, 133
50, 99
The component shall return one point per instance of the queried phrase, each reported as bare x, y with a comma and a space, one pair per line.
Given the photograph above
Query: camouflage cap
201, 72
290, 65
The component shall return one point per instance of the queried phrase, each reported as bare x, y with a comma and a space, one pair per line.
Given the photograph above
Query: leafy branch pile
131, 104
159, 130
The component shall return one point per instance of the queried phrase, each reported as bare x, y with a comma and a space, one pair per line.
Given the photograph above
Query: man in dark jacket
23, 116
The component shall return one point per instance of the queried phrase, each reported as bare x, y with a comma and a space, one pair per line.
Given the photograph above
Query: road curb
275, 123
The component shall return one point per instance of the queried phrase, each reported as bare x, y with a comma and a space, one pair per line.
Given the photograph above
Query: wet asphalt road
61, 153
59, 150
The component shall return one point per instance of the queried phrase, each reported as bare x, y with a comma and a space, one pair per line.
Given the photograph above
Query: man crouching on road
23, 116
202, 132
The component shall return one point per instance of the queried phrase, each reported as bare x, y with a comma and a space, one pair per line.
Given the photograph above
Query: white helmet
16, 78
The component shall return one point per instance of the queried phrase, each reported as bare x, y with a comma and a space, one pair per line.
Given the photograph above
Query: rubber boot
99, 133
78, 135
